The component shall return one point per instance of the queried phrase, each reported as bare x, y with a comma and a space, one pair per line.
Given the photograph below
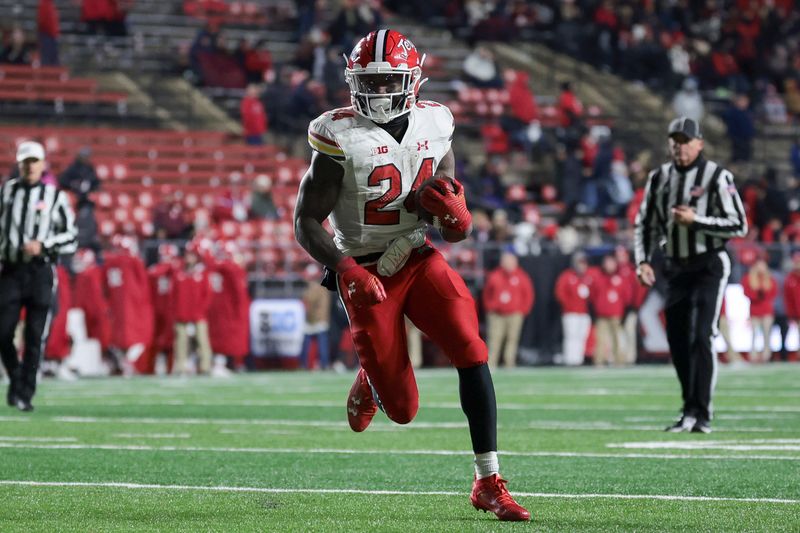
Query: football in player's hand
430, 182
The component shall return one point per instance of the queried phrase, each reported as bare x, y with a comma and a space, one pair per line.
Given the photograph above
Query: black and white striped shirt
709, 189
35, 212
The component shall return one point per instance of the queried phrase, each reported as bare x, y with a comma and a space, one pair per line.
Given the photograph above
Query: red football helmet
384, 72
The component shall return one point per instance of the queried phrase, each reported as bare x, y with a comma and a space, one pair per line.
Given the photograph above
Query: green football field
583, 450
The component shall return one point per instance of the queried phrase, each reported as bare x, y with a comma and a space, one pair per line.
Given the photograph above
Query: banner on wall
276, 327
737, 307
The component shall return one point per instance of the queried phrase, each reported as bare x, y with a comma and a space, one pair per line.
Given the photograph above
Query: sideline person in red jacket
129, 298
507, 297
229, 310
609, 295
192, 296
89, 297
791, 291
572, 293
160, 281
762, 289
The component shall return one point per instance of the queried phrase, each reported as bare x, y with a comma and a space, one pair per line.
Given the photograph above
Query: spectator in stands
254, 118
572, 294
508, 298
735, 359
169, 219
570, 108
794, 157
355, 19
262, 206
502, 229
80, 178
522, 106
17, 50
761, 288
307, 102
773, 109
254, 60
96, 14
688, 102
634, 294
317, 302
192, 294
609, 295
480, 69
772, 201
49, 30
741, 128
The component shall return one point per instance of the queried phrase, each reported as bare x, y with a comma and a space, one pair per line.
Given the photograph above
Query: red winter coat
90, 297
521, 100
572, 292
229, 310
129, 297
94, 10
58, 344
609, 295
508, 292
254, 118
192, 294
762, 302
161, 292
791, 295
47, 18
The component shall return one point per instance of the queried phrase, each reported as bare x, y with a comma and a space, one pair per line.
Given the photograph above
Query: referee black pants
694, 297
29, 286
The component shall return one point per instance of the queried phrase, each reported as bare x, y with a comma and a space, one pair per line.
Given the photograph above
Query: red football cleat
491, 494
361, 407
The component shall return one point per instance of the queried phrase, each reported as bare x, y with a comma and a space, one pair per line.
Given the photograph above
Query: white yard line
762, 445
38, 439
152, 435
387, 452
271, 490
379, 426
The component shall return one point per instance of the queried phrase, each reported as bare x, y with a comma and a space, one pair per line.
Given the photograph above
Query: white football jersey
379, 172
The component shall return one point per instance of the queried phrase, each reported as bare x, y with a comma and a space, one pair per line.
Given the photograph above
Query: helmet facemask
381, 92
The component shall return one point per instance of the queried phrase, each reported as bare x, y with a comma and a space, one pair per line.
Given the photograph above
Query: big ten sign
276, 328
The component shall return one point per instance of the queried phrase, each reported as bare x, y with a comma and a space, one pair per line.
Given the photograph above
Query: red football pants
437, 301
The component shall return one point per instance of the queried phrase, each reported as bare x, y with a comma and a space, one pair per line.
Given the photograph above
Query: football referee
690, 209
36, 225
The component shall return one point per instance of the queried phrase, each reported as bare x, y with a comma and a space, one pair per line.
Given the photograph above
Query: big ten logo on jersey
114, 276
164, 284
216, 281
377, 150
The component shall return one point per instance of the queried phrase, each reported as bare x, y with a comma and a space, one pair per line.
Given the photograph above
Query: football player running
367, 163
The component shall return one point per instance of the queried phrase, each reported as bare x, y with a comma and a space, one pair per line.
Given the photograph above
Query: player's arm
319, 190
451, 216
317, 197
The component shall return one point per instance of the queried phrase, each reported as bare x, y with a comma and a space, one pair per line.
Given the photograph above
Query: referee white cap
30, 150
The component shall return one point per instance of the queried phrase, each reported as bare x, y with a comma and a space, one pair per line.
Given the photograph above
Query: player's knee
402, 414
472, 352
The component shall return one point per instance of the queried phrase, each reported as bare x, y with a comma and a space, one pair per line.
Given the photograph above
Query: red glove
363, 289
449, 209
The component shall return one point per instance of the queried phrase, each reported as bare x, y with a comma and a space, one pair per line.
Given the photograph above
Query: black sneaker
24, 405
684, 423
701, 426
11, 396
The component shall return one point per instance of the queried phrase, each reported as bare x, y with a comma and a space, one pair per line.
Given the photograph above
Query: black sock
478, 403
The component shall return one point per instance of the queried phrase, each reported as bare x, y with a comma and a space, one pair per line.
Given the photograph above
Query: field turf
583, 449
